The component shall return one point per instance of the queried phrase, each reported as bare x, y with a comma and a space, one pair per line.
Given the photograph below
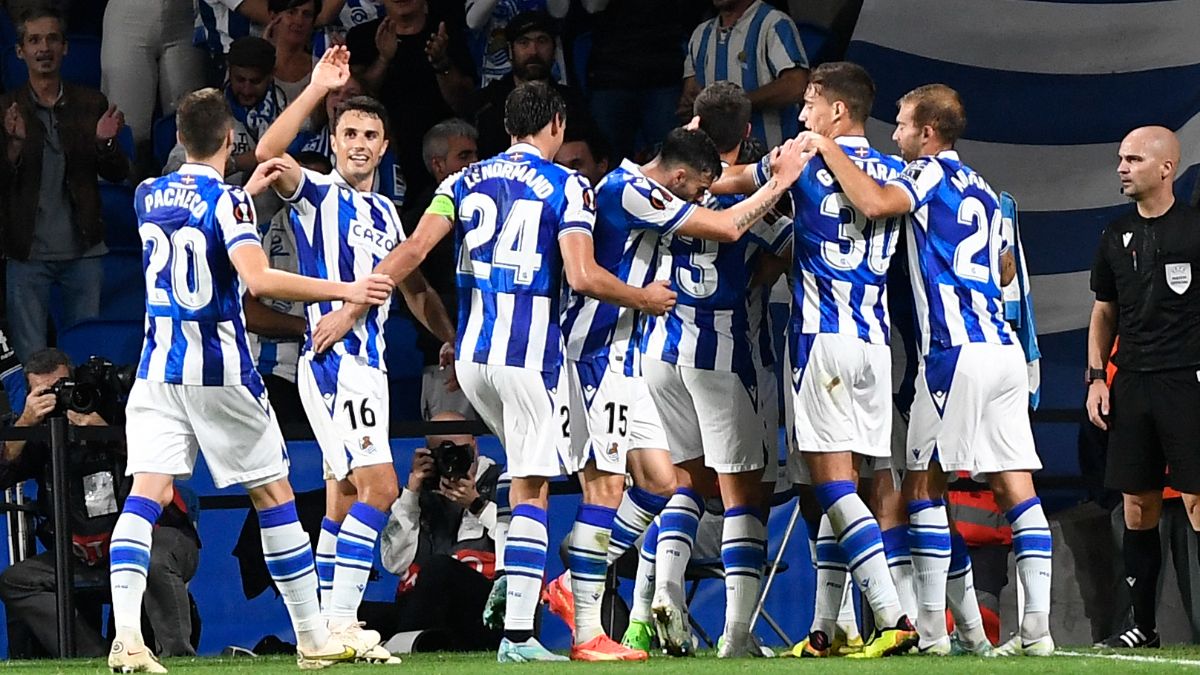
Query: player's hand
385, 39
271, 32
422, 468
1097, 404
38, 404
657, 298
461, 491
109, 124
694, 124
265, 175
14, 123
332, 328
436, 48
788, 160
333, 70
89, 420
373, 289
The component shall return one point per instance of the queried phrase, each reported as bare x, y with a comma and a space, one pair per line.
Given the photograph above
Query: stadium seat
581, 52
120, 220
117, 341
163, 136
123, 295
125, 140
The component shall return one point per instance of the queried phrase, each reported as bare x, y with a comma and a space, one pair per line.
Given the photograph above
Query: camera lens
84, 399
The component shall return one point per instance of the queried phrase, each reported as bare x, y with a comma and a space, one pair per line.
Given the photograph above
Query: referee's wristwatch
1094, 374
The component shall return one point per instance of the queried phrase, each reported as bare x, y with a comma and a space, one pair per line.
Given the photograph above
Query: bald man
440, 539
1147, 296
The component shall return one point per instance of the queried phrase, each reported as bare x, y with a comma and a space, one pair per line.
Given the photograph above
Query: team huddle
618, 332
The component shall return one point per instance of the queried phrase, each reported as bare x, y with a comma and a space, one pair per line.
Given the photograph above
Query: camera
450, 460
96, 386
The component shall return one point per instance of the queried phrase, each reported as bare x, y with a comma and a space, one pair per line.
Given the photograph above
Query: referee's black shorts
1154, 425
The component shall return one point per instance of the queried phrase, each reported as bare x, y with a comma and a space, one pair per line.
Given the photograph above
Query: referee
1147, 294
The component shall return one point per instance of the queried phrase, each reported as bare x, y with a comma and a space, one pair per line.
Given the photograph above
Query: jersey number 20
186, 251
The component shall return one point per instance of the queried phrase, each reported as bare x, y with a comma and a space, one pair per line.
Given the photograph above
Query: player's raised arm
589, 278
737, 179
872, 199
331, 72
728, 225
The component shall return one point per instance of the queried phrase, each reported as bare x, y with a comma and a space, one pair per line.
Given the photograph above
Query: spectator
219, 23
584, 151
487, 20
338, 16
97, 485
440, 540
291, 32
278, 325
147, 57
448, 147
635, 68
758, 47
389, 180
421, 74
58, 137
256, 101
531, 44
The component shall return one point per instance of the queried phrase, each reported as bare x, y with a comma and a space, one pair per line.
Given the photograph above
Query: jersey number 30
516, 245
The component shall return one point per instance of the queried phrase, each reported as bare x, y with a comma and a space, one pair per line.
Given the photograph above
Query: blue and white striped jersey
189, 221
278, 356
716, 321
218, 24
492, 47
840, 257
353, 13
633, 213
760, 45
509, 213
956, 237
341, 235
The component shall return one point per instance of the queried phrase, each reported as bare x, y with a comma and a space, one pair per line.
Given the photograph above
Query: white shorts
522, 407
843, 389
347, 405
971, 411
610, 414
167, 423
708, 413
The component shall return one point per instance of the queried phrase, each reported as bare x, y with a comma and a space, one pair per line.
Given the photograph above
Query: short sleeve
1104, 282
651, 206
390, 207
762, 171
772, 233
784, 49
918, 180
579, 207
689, 59
307, 195
237, 222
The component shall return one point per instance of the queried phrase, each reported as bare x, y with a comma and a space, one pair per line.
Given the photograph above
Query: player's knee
1142, 510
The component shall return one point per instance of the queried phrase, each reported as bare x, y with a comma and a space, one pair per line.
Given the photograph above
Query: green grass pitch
1079, 660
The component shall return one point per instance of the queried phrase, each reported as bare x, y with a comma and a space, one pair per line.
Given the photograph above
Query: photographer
440, 540
97, 486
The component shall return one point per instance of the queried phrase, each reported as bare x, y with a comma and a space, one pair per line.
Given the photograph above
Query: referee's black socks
1143, 560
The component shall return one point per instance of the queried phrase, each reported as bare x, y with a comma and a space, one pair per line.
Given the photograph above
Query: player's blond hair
937, 106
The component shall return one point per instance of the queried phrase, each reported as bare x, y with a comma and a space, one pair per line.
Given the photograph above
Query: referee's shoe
1134, 638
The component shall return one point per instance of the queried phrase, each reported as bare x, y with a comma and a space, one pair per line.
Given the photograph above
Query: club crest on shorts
612, 452
1179, 277
366, 445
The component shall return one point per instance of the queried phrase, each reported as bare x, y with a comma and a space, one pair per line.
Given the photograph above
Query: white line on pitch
1130, 657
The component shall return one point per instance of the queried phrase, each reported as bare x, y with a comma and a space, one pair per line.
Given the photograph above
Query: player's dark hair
590, 136
724, 111
937, 106
365, 105
530, 107
317, 161
40, 11
846, 82
203, 120
46, 361
284, 5
693, 149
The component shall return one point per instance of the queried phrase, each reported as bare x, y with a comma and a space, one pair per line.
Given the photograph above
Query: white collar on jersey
200, 170
526, 148
853, 141
949, 154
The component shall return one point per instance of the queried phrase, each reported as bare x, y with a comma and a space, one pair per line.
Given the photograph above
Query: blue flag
1018, 300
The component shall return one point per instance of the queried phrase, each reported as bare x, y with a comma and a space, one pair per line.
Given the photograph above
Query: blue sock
859, 537
353, 561
895, 548
525, 565
327, 559
643, 584
676, 532
634, 514
289, 557
129, 560
743, 551
929, 542
588, 562
1033, 549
